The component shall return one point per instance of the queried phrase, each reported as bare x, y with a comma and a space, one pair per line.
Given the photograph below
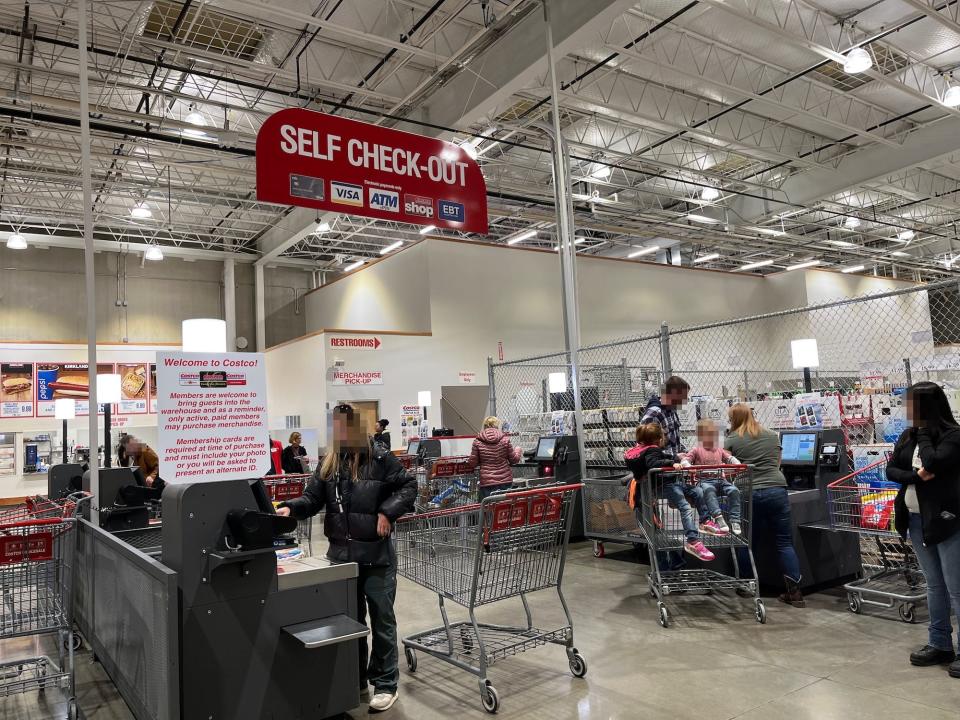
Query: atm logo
448, 210
418, 205
346, 194
386, 200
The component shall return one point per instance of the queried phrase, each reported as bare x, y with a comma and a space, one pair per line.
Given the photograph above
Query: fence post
493, 386
746, 387
626, 382
908, 371
665, 351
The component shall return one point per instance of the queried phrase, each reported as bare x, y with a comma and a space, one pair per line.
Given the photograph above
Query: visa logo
387, 200
447, 210
346, 194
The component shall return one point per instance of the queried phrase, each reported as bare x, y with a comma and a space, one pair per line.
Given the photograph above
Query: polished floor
716, 661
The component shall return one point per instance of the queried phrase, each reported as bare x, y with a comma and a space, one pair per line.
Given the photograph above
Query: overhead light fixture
906, 235
755, 265
557, 382
857, 61
153, 252
525, 235
580, 240
108, 389
16, 242
644, 251
842, 243
141, 211
898, 253
194, 118
391, 247
951, 98
851, 222
427, 229
203, 335
322, 227
353, 265
701, 218
852, 269
771, 231
601, 172
805, 353
709, 193
470, 148
706, 258
805, 264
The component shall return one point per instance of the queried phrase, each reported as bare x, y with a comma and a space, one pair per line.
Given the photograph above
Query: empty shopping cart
863, 502
662, 526
509, 545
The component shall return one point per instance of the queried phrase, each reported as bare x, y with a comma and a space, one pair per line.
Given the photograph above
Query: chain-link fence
869, 347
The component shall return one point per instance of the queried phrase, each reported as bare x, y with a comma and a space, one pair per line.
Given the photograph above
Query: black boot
792, 596
929, 655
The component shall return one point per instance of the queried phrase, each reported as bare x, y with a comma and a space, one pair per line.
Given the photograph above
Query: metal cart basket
445, 483
510, 545
662, 526
38, 543
862, 502
606, 514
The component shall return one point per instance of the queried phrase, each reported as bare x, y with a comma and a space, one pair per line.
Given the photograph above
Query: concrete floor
715, 661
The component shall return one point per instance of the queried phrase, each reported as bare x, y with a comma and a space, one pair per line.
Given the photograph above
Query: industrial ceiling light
709, 193
322, 227
701, 218
391, 247
16, 242
353, 265
805, 264
580, 240
857, 61
898, 253
427, 229
852, 269
141, 211
951, 98
755, 265
771, 231
842, 243
194, 118
706, 258
644, 251
906, 235
600, 172
153, 252
470, 148
526, 235
851, 222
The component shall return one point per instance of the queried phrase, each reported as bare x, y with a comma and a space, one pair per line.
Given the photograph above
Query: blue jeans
770, 519
713, 490
488, 490
679, 495
941, 566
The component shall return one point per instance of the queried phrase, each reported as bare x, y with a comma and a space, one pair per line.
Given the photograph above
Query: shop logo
346, 194
386, 200
418, 205
447, 210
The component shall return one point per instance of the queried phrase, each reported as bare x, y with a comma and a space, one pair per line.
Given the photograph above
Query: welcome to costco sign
332, 163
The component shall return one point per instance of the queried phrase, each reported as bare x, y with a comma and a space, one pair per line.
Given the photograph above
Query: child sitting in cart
714, 484
647, 455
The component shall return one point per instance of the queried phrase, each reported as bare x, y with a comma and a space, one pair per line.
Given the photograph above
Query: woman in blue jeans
758, 447
926, 464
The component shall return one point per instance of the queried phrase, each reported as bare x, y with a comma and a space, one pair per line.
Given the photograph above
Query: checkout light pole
568, 253
65, 409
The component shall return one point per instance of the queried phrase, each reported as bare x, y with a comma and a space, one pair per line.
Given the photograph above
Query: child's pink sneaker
698, 550
711, 528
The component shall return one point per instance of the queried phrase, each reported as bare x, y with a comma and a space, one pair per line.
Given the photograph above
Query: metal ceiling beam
288, 231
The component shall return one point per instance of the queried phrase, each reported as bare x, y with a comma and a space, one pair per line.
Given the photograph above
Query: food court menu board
133, 388
64, 380
16, 390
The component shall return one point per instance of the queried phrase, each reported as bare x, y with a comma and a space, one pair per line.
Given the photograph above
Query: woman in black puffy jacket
364, 489
926, 464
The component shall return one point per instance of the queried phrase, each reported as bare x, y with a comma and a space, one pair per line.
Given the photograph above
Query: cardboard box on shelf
612, 515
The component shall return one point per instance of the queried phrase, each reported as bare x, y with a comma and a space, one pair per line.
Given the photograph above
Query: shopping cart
863, 502
38, 543
507, 546
288, 487
662, 526
607, 516
444, 483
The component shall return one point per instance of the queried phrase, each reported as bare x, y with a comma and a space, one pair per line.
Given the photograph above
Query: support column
90, 287
259, 307
230, 303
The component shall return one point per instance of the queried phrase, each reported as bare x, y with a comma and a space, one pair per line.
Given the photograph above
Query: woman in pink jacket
494, 453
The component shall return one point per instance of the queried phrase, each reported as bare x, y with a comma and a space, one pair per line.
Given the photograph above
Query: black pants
376, 592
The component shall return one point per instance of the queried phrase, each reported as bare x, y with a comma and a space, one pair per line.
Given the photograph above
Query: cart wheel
761, 613
75, 640
599, 550
907, 613
490, 699
853, 602
578, 666
72, 713
411, 659
664, 615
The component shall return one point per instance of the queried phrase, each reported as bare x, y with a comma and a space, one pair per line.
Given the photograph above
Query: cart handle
33, 523
698, 468
493, 499
877, 464
295, 476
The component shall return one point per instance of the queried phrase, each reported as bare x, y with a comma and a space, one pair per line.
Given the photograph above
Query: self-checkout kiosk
557, 458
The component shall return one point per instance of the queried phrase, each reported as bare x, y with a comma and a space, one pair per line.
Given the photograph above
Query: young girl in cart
709, 452
647, 455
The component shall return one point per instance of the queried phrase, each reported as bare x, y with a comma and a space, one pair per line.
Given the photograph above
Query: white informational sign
467, 378
363, 377
212, 416
411, 423
354, 342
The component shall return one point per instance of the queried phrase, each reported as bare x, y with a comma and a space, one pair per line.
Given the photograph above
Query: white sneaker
721, 523
382, 701
735, 528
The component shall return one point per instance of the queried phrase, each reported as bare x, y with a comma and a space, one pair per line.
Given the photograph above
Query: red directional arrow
376, 343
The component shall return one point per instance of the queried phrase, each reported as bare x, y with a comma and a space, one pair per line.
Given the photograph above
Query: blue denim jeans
680, 495
488, 490
941, 566
713, 490
770, 520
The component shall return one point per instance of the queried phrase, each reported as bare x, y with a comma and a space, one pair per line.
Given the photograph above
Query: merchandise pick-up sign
332, 163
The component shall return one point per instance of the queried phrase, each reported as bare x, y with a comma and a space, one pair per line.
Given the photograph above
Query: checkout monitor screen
546, 448
799, 448
413, 447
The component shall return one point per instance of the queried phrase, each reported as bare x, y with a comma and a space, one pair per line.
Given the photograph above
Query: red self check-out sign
327, 162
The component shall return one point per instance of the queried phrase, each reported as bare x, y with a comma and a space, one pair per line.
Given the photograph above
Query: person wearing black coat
364, 490
381, 435
290, 459
926, 464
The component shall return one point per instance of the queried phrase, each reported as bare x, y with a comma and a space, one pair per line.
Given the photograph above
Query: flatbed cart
607, 516
862, 502
446, 482
288, 487
662, 527
38, 543
507, 546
